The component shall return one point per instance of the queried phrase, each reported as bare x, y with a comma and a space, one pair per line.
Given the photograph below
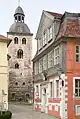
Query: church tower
20, 66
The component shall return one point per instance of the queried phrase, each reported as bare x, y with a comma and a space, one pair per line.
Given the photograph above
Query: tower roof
19, 26
19, 10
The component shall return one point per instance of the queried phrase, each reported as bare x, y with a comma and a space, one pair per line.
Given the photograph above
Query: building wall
73, 70
3, 75
24, 73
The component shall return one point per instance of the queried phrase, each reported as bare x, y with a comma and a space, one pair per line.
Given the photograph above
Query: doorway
44, 100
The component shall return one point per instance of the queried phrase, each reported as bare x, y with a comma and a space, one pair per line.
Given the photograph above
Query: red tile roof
69, 28
73, 28
55, 14
2, 37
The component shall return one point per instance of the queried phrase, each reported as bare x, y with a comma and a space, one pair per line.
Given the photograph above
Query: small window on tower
20, 53
19, 18
24, 41
16, 83
16, 66
23, 18
23, 83
15, 40
16, 18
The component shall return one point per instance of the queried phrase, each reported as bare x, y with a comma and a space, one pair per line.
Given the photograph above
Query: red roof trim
55, 14
2, 37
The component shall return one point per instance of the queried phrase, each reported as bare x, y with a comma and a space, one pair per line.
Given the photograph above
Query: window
36, 67
16, 83
40, 65
15, 40
20, 53
23, 83
39, 43
78, 53
57, 88
77, 109
50, 59
37, 89
51, 89
19, 18
56, 56
77, 87
13, 96
22, 18
45, 62
50, 33
16, 18
44, 38
24, 41
16, 66
40, 91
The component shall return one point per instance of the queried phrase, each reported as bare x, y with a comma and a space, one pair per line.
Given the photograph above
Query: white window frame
40, 92
39, 43
75, 78
36, 67
45, 62
50, 33
51, 89
56, 55
55, 86
78, 53
44, 38
50, 59
40, 65
77, 110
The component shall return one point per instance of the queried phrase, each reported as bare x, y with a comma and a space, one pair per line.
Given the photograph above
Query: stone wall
20, 80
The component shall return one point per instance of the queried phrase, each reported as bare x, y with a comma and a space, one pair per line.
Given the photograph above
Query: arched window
24, 41
15, 40
20, 53
16, 66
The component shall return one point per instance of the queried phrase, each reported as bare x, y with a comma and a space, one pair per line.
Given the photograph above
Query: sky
33, 10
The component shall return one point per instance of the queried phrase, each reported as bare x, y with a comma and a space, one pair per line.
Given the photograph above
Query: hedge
5, 115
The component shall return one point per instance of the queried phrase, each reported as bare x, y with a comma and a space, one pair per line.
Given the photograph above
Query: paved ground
27, 112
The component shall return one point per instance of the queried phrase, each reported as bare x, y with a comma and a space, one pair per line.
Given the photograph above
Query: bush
6, 115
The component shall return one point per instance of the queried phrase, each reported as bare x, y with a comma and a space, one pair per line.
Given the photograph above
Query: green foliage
5, 115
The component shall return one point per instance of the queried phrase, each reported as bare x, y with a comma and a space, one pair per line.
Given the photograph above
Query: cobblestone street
27, 112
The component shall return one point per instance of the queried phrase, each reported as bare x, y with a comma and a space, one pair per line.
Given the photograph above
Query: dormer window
44, 38
50, 33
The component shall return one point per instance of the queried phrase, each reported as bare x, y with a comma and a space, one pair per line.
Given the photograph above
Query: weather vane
19, 2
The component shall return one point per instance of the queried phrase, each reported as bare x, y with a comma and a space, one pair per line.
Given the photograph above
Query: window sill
40, 49
77, 98
51, 98
44, 45
49, 40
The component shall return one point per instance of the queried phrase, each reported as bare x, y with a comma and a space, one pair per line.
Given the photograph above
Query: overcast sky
33, 10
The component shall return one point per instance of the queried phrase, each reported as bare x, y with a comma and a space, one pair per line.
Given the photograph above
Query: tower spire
18, 2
